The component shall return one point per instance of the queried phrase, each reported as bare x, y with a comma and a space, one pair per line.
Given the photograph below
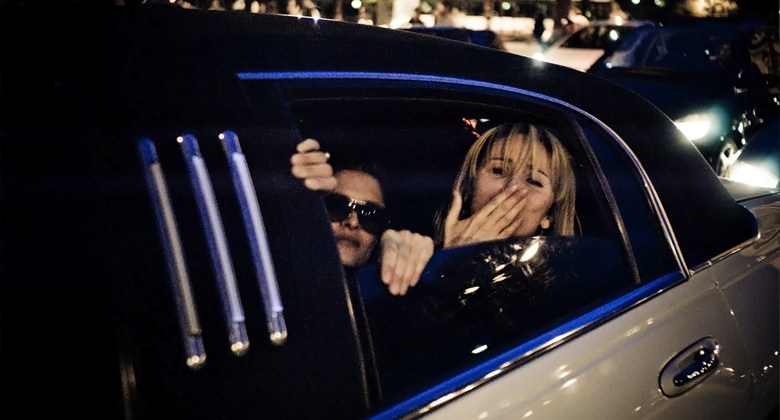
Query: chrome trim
258, 240
186, 309
725, 254
653, 195
432, 398
217, 243
604, 182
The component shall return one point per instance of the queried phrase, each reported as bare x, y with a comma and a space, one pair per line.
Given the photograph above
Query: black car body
140, 146
719, 81
485, 38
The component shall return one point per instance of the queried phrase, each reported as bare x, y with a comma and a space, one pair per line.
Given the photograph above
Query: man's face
353, 242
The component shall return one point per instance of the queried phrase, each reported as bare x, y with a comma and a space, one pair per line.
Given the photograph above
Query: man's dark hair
370, 168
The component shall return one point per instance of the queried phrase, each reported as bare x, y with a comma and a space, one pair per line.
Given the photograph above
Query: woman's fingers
497, 213
510, 230
502, 202
506, 215
453, 227
489, 223
454, 213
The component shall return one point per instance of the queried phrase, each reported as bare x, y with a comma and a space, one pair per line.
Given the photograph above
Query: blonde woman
516, 180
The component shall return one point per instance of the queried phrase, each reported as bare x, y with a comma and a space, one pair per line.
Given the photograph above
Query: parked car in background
581, 49
159, 260
758, 164
719, 81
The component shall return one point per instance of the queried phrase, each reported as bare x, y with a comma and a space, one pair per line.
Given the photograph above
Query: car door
231, 302
621, 368
751, 282
606, 347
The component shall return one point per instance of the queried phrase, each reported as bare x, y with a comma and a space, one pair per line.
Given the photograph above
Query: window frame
490, 369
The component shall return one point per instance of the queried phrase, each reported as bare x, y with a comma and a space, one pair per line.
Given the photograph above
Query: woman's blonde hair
561, 176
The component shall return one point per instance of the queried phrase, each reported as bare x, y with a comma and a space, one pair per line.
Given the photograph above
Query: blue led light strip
258, 242
217, 242
174, 255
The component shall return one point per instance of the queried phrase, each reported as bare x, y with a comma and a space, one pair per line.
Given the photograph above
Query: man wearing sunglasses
356, 208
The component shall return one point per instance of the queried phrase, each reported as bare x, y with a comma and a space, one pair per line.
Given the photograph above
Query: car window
678, 49
598, 37
764, 52
650, 248
477, 301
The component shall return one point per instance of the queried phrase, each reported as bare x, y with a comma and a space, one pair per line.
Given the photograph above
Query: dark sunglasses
372, 218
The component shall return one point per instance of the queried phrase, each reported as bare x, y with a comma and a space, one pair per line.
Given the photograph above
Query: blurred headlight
749, 174
695, 126
539, 56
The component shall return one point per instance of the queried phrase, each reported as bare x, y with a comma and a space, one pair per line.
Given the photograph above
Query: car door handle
705, 360
174, 255
690, 367
258, 241
217, 243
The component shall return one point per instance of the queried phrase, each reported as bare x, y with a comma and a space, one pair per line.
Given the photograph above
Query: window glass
676, 49
476, 301
764, 69
764, 51
650, 248
600, 37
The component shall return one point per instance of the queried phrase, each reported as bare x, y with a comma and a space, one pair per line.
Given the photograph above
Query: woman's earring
545, 223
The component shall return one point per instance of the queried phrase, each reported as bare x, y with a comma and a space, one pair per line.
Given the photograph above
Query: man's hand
404, 256
311, 165
497, 220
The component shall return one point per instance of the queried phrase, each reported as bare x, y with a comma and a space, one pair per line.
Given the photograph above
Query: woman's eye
497, 170
533, 182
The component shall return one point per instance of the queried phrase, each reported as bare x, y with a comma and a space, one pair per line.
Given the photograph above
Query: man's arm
403, 254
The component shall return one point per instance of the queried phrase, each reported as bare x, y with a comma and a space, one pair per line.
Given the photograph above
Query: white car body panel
613, 371
751, 295
598, 375
577, 58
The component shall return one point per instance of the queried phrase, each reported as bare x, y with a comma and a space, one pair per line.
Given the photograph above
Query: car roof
153, 63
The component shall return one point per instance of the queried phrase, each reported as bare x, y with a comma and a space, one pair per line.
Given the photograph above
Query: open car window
479, 301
